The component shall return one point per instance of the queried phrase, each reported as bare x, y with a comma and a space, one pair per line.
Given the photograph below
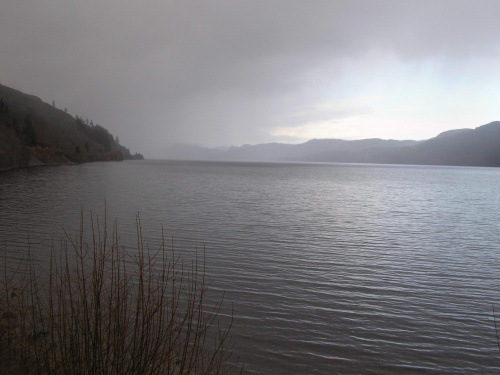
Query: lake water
331, 268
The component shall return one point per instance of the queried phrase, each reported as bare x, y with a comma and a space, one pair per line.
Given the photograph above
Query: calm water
330, 268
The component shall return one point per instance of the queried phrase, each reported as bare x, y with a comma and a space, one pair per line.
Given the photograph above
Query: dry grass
100, 309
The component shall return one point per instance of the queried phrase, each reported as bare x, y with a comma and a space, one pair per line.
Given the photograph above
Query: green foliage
4, 108
96, 133
137, 156
29, 132
32, 129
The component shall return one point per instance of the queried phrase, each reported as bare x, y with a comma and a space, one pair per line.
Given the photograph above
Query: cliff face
33, 132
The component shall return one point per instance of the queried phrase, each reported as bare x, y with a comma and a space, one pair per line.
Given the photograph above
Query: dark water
330, 268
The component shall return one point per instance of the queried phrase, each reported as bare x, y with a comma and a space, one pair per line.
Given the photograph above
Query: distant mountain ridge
33, 133
460, 147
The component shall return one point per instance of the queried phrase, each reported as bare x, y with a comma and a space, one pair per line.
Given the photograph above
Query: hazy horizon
223, 73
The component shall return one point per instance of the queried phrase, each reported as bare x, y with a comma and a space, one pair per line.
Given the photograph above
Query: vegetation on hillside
101, 309
34, 132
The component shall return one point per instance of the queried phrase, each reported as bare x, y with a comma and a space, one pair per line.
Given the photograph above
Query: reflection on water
330, 268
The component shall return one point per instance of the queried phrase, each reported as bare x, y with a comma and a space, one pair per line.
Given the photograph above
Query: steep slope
34, 132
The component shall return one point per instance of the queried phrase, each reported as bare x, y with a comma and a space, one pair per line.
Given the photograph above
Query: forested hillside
33, 132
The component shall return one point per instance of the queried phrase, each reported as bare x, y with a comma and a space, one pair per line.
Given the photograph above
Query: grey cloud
156, 72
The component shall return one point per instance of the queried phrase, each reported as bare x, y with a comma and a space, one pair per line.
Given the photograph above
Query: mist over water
330, 268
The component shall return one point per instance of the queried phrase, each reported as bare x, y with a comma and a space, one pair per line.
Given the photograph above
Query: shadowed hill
313, 150
465, 147
33, 132
461, 147
337, 150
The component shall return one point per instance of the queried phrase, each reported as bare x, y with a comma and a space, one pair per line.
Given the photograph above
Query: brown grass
100, 309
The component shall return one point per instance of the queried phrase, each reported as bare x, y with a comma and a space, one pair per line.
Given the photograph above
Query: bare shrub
100, 309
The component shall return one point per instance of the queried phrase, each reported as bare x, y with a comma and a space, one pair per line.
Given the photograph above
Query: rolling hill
33, 133
460, 147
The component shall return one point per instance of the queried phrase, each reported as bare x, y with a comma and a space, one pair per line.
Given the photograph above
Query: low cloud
225, 72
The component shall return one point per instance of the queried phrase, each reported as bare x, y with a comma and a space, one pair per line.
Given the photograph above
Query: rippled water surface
330, 268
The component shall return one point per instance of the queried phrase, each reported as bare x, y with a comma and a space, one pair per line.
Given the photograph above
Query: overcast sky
220, 73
